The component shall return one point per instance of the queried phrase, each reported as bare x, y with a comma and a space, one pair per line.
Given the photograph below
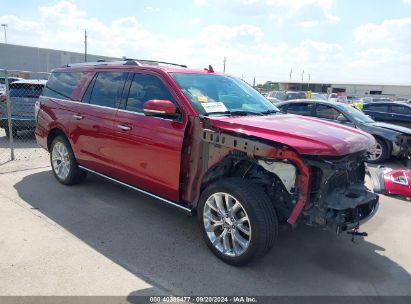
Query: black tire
75, 174
263, 220
385, 152
14, 132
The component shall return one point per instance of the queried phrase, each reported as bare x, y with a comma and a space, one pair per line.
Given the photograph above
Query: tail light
36, 109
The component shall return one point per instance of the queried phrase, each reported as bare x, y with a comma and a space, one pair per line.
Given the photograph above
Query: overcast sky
333, 40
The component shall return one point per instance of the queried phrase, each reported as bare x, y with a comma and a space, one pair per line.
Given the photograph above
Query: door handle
124, 128
78, 117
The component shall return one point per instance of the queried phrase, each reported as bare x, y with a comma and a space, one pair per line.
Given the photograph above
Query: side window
300, 108
107, 89
281, 96
327, 112
145, 87
87, 94
397, 109
61, 84
376, 108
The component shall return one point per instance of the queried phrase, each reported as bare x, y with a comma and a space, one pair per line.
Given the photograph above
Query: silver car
23, 96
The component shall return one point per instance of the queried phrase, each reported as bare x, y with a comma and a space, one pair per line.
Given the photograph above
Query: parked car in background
391, 140
206, 143
271, 96
368, 99
398, 113
278, 96
10, 79
318, 96
23, 96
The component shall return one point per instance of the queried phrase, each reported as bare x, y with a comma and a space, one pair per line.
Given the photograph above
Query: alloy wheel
61, 160
376, 153
227, 224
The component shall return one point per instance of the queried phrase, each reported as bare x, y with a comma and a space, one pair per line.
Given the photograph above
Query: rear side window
376, 108
300, 108
143, 88
324, 111
400, 110
61, 85
107, 89
25, 90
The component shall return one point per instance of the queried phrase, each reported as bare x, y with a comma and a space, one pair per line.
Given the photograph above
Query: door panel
148, 149
94, 127
149, 154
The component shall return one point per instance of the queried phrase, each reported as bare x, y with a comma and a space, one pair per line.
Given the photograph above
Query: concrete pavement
100, 239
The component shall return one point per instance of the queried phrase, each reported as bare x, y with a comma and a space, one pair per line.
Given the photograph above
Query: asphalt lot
101, 239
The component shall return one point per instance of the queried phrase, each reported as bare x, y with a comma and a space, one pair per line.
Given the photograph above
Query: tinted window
61, 84
107, 89
281, 96
300, 108
25, 90
327, 112
376, 108
87, 94
397, 109
143, 88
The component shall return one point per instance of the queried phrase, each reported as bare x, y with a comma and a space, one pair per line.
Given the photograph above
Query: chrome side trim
138, 190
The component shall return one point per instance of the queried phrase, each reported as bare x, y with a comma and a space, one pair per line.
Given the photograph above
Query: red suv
209, 144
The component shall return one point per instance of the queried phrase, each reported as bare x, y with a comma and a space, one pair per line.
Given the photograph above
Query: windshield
356, 114
222, 94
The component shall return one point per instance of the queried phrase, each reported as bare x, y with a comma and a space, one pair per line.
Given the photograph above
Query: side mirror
160, 108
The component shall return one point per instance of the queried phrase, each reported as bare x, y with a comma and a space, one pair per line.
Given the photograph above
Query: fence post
9, 115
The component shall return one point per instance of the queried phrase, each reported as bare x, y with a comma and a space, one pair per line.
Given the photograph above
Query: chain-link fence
19, 92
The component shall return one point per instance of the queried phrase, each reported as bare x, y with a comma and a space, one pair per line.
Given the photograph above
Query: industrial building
34, 59
360, 89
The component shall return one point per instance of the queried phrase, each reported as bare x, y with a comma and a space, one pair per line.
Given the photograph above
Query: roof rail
103, 62
156, 62
127, 61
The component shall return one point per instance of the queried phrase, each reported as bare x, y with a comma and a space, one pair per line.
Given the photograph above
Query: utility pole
254, 82
309, 80
302, 76
85, 45
291, 74
224, 62
4, 25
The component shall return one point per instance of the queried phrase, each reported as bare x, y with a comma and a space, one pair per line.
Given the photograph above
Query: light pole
5, 32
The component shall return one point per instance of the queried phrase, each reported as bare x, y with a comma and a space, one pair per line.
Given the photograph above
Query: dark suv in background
398, 113
206, 143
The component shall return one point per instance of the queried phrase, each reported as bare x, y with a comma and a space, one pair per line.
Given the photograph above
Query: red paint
306, 135
393, 187
160, 106
149, 152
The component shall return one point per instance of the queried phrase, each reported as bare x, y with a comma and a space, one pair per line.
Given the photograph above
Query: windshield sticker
202, 99
212, 107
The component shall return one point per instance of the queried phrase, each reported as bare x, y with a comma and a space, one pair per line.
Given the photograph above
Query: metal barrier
19, 91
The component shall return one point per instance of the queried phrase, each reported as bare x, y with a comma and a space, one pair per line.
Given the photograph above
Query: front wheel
379, 152
237, 220
64, 163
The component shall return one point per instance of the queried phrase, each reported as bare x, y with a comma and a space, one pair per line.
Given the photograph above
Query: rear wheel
63, 162
14, 132
237, 220
379, 153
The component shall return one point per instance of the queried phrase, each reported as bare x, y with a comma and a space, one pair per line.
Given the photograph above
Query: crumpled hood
306, 135
392, 127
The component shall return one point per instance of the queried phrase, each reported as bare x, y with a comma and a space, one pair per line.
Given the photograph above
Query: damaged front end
339, 198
